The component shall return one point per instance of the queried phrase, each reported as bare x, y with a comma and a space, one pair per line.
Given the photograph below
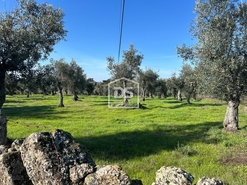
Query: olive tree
76, 79
27, 33
175, 85
161, 88
68, 76
147, 80
45, 79
220, 29
129, 68
189, 77
61, 73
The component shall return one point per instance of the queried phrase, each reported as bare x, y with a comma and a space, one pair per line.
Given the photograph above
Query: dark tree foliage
147, 80
161, 88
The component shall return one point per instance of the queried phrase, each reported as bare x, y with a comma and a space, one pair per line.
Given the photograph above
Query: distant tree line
62, 77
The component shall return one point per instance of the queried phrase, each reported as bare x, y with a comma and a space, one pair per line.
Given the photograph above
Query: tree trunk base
230, 123
75, 97
3, 129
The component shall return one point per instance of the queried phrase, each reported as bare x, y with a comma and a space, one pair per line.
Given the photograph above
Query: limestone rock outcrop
55, 158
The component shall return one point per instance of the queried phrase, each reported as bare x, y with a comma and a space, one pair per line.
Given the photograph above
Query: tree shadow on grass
31, 111
135, 144
178, 104
14, 101
194, 105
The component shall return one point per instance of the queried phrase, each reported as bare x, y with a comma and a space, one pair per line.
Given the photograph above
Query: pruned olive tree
45, 79
161, 88
189, 77
61, 74
147, 80
175, 85
128, 68
76, 79
68, 76
27, 34
220, 28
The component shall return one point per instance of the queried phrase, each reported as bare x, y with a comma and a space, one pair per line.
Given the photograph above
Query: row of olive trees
58, 76
149, 82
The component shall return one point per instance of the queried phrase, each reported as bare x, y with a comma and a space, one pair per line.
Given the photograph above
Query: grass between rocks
164, 133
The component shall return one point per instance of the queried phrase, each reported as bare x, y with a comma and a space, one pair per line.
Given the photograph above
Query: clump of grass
120, 121
184, 150
214, 135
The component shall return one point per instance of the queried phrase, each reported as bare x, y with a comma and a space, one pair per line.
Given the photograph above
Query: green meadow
164, 132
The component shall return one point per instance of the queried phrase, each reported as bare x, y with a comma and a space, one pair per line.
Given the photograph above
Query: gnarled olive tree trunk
143, 94
60, 92
3, 120
189, 94
179, 95
231, 117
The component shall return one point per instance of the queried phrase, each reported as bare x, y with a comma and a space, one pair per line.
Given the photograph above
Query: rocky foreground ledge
55, 158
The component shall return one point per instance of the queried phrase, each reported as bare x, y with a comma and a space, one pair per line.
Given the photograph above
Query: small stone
172, 175
108, 174
79, 172
209, 181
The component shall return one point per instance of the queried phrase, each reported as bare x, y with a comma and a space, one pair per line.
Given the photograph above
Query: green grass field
164, 133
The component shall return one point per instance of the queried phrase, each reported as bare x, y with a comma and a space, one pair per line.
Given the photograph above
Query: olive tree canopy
220, 28
27, 34
129, 68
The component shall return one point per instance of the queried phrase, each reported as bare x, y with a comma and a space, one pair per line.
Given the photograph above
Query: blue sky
155, 27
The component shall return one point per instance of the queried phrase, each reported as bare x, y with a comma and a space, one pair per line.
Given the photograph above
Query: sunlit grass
164, 132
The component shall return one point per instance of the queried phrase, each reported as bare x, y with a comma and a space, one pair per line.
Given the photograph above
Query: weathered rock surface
17, 144
3, 149
172, 176
108, 174
12, 171
55, 158
209, 181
